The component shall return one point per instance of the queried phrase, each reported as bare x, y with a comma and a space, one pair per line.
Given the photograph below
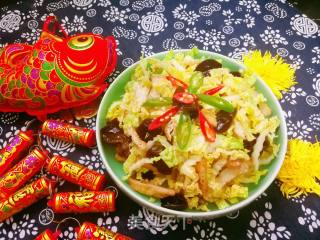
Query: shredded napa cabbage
230, 166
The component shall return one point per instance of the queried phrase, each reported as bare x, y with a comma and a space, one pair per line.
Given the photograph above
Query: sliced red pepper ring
184, 97
176, 82
213, 90
207, 130
164, 118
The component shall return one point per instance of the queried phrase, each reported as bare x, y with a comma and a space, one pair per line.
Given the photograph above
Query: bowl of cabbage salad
191, 133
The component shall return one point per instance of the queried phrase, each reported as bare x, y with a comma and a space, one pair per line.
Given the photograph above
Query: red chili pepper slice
176, 82
213, 90
207, 130
164, 118
184, 97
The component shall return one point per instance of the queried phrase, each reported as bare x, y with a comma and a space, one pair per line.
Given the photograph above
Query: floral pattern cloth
228, 27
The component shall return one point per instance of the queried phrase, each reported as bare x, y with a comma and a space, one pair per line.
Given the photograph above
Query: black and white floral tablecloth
230, 27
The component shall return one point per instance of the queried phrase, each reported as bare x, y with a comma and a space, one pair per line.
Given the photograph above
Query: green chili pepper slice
183, 131
196, 82
157, 102
217, 102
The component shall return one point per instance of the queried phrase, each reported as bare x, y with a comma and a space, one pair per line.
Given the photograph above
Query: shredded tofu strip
150, 189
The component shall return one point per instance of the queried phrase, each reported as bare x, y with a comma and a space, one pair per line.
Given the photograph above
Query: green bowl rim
203, 215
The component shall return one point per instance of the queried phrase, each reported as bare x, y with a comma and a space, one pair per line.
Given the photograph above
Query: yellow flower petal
300, 172
277, 74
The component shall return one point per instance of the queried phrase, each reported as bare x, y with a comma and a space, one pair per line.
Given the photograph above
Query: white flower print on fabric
282, 52
13, 131
209, 9
54, 6
248, 20
311, 71
309, 219
314, 120
86, 122
296, 61
276, 10
229, 14
210, 232
170, 43
11, 21
33, 14
210, 39
93, 161
304, 26
119, 32
57, 147
316, 85
9, 118
146, 50
238, 53
153, 222
113, 14
38, 3
77, 25
140, 5
113, 76
31, 36
109, 223
297, 129
118, 50
181, 13
262, 227
104, 3
68, 233
299, 199
273, 37
18, 229
312, 101
32, 24
250, 5
292, 94
248, 40
316, 58
152, 24
82, 4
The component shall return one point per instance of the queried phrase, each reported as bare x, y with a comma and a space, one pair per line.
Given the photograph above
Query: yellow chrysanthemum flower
300, 172
277, 74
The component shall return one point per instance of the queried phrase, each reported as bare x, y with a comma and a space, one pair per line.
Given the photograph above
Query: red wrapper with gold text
69, 133
25, 197
48, 235
75, 173
20, 173
15, 149
90, 231
66, 202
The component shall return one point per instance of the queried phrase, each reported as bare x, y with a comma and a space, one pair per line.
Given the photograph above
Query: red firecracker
90, 231
20, 173
69, 133
25, 197
48, 235
75, 173
81, 202
15, 149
